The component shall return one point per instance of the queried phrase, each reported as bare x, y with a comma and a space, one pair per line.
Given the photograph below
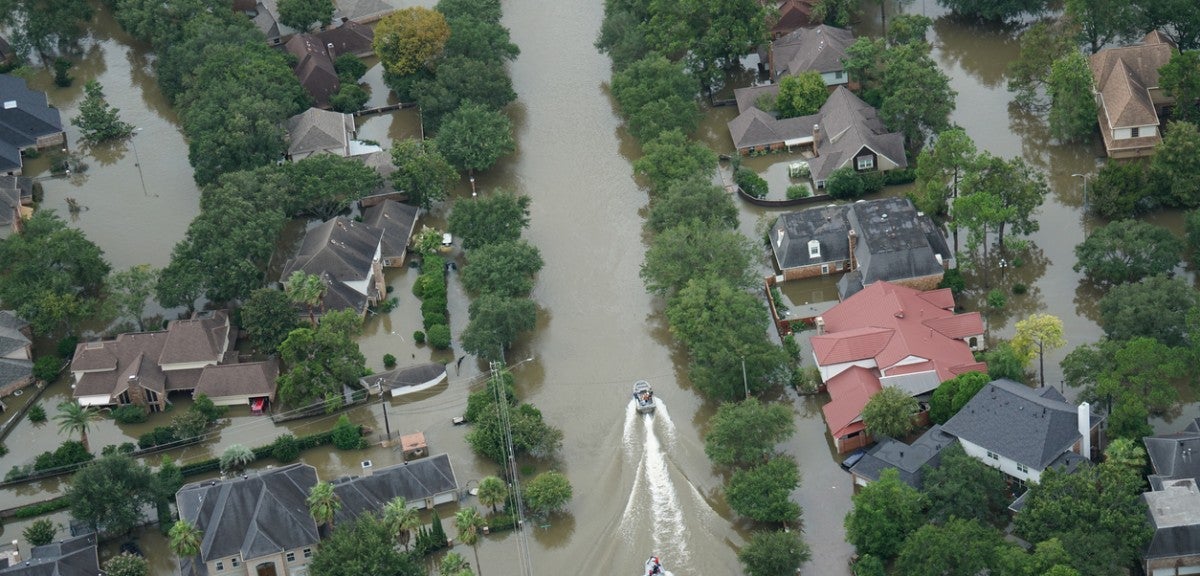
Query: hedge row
40, 508
282, 447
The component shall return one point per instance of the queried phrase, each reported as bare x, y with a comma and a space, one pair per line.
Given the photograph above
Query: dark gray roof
1174, 513
825, 224
12, 370
25, 116
340, 247
415, 481
1031, 426
848, 125
1174, 456
339, 296
908, 460
405, 377
12, 333
820, 48
69, 557
397, 221
895, 242
253, 515
23, 185
747, 98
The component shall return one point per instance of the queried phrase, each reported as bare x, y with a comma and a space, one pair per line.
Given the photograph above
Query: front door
266, 569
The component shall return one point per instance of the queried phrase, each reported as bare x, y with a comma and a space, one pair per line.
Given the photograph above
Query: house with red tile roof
1128, 96
889, 335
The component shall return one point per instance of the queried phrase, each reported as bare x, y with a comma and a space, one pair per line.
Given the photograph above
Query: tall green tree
307, 290
710, 34
129, 290
1176, 159
745, 433
98, 121
490, 219
1119, 191
547, 493
1034, 335
409, 39
422, 172
655, 96
763, 493
324, 185
401, 519
492, 492
185, 540
962, 487
109, 494
1180, 78
1127, 251
469, 525
530, 433
688, 252
323, 504
268, 317
919, 98
1102, 22
692, 200
475, 137
40, 26
321, 360
1042, 44
479, 39
73, 418
1175, 18
304, 14
363, 546
940, 169
960, 547
1156, 307
671, 157
774, 552
460, 80
951, 395
885, 512
496, 322
801, 94
1072, 105
890, 413
504, 269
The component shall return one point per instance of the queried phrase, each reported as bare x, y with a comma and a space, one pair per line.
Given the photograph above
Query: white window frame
864, 162
993, 455
234, 562
1135, 131
1022, 468
824, 268
308, 552
291, 557
220, 566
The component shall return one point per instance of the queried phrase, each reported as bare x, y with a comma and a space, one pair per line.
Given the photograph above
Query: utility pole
745, 385
387, 426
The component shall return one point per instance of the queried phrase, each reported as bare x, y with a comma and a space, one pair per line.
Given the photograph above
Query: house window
820, 184
814, 249
220, 566
1134, 132
308, 552
993, 455
1022, 468
839, 74
234, 561
291, 557
865, 162
824, 268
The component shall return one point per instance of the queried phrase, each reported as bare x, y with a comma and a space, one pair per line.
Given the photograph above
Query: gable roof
253, 515
316, 130
847, 125
1124, 77
12, 332
747, 98
314, 68
339, 247
69, 557
849, 391
1174, 456
895, 242
794, 14
793, 231
908, 460
204, 338
25, 116
1174, 513
415, 481
820, 48
349, 38
1031, 426
247, 379
397, 221
362, 11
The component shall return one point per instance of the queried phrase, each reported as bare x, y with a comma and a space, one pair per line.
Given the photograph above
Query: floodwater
642, 485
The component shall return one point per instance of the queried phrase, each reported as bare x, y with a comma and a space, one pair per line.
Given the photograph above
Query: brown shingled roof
249, 379
196, 340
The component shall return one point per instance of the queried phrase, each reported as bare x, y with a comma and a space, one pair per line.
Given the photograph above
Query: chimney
367, 467
329, 49
1085, 430
820, 322
852, 236
816, 138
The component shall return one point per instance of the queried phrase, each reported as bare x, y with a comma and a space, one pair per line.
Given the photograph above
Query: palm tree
401, 519
306, 289
453, 564
186, 540
323, 504
469, 523
74, 418
492, 491
236, 457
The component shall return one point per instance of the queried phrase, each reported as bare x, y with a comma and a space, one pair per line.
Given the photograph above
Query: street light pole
472, 185
1085, 180
137, 160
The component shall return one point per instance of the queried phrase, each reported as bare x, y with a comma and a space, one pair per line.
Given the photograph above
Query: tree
746, 433
907, 28
43, 26
268, 317
692, 200
492, 492
940, 168
530, 433
1072, 105
890, 413
40, 532
1127, 251
1174, 19
656, 96
1180, 79
547, 493
363, 546
324, 185
801, 94
1042, 44
999, 194
409, 39
687, 252
129, 289
763, 493
960, 547
492, 219
475, 137
951, 395
672, 157
453, 564
1119, 191
496, 322
1140, 368
108, 495
712, 34
185, 540
98, 121
994, 10
503, 269
323, 504
305, 289
74, 418
303, 14
460, 80
1034, 335
127, 564
480, 39
469, 524
885, 512
422, 172
1102, 21
919, 98
769, 553
320, 361
962, 487
1175, 160
181, 283
1155, 307
236, 457
401, 519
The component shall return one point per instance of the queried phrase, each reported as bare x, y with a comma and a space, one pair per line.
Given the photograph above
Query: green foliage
127, 564
460, 80
303, 14
798, 191
908, 29
347, 436
531, 435
1004, 362
1001, 196
496, 322
130, 414
763, 493
422, 172
960, 547
750, 182
98, 121
46, 369
962, 487
1119, 190
1072, 105
774, 552
656, 96
389, 361
268, 317
1127, 251
324, 185
36, 414
746, 433
1103, 21
321, 361
801, 94
1041, 45
505, 269
1175, 162
869, 565
364, 545
34, 510
915, 95
439, 336
953, 279
109, 494
994, 10
689, 200
475, 137
236, 457
62, 78
951, 395
65, 347
285, 448
1155, 307
671, 157
711, 34
478, 37
940, 168
547, 493
157, 437
419, 337
349, 68
189, 425
890, 412
491, 219
885, 513
409, 39
349, 98
689, 252
845, 184
40, 532
1180, 78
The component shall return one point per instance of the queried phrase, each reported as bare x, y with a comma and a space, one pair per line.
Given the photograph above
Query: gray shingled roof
363, 10
405, 377
1174, 512
895, 242
1174, 456
825, 224
12, 337
254, 515
908, 460
316, 130
397, 221
821, 48
69, 557
340, 247
847, 126
1031, 426
349, 38
200, 339
415, 481
25, 116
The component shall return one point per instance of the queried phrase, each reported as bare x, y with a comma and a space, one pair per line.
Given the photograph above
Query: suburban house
870, 241
27, 121
1174, 513
405, 380
348, 38
423, 483
314, 68
68, 557
7, 54
909, 460
265, 16
1128, 97
793, 15
143, 368
347, 255
845, 132
16, 203
317, 131
257, 524
397, 222
1174, 456
1022, 431
16, 353
889, 335
819, 49
362, 11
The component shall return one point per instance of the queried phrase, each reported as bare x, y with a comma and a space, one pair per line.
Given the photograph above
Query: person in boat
655, 566
646, 395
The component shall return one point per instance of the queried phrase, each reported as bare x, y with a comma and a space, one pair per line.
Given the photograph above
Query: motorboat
654, 567
643, 397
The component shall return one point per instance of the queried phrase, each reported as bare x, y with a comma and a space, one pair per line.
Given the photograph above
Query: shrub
872, 181
419, 337
750, 182
46, 368
996, 299
66, 347
160, 435
797, 191
904, 176
389, 361
845, 184
347, 436
37, 414
61, 78
285, 448
1019, 288
953, 280
439, 336
68, 453
127, 448
791, 346
433, 304
40, 532
433, 318
40, 508
3, 450
129, 414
